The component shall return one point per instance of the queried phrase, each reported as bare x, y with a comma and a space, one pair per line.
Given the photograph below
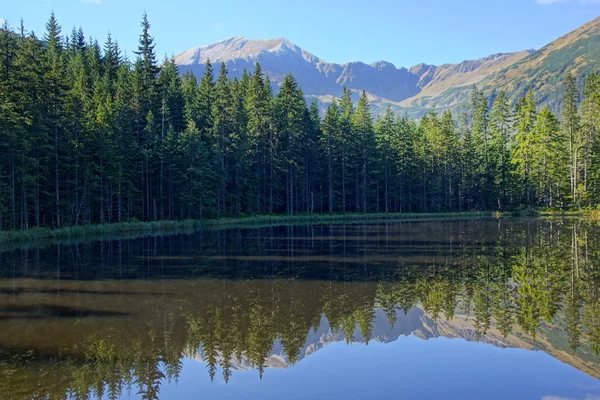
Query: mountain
543, 71
436, 81
324, 81
417, 89
318, 78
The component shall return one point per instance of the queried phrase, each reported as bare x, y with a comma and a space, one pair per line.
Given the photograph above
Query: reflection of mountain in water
414, 323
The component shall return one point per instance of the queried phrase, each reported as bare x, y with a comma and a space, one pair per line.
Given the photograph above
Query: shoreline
189, 226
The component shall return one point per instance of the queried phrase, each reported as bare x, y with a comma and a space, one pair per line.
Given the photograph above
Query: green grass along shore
187, 226
137, 228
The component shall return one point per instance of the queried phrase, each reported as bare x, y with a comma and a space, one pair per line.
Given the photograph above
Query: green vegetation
166, 227
88, 137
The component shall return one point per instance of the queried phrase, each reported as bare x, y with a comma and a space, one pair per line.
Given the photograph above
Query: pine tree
55, 83
240, 145
384, 132
312, 167
590, 124
523, 148
480, 124
403, 144
289, 116
329, 130
572, 129
172, 123
258, 109
501, 121
468, 153
223, 121
345, 139
548, 159
145, 103
449, 155
362, 125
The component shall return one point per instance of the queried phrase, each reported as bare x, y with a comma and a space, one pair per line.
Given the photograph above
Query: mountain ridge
382, 80
416, 89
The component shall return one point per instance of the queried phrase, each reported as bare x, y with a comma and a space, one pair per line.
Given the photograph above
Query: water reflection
95, 319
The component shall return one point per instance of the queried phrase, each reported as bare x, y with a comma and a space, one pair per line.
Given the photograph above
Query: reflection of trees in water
535, 280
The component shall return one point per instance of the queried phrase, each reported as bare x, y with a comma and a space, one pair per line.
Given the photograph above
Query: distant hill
415, 90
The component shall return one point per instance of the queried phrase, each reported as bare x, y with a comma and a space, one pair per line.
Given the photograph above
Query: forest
88, 136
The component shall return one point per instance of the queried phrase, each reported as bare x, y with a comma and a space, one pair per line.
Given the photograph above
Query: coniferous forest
90, 136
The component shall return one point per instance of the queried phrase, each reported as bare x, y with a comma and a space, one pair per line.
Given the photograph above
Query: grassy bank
101, 230
593, 214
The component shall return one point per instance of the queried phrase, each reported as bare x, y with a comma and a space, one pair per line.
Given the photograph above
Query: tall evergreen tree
523, 150
501, 121
572, 130
362, 124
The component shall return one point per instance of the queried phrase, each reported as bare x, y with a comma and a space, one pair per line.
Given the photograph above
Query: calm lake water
471, 309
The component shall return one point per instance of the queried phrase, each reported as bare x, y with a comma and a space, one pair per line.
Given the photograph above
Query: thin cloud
219, 25
556, 398
93, 1
548, 2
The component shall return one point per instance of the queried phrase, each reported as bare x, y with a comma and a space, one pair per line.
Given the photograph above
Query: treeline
88, 136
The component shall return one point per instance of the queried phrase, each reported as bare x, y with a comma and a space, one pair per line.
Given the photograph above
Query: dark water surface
477, 309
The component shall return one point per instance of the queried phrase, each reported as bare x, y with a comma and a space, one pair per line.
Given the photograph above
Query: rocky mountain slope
577, 53
542, 71
415, 90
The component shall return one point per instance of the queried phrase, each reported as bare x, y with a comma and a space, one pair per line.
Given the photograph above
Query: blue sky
404, 32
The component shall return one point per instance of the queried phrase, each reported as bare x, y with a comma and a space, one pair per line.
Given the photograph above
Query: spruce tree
570, 118
329, 131
362, 125
501, 120
523, 150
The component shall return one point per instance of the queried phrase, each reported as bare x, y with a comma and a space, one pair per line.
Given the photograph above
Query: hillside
542, 71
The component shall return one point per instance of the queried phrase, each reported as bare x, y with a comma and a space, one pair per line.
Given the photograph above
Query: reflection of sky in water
409, 368
92, 319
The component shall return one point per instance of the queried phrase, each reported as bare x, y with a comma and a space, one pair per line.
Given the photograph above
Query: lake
465, 309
